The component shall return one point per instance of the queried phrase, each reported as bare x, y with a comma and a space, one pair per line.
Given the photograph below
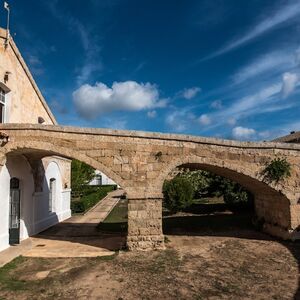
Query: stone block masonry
140, 162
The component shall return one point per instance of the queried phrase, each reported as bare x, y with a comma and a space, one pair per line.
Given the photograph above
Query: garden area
194, 201
85, 196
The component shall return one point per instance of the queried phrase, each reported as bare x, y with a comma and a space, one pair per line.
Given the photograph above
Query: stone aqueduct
139, 162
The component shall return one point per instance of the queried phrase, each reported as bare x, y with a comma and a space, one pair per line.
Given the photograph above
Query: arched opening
199, 200
45, 204
270, 210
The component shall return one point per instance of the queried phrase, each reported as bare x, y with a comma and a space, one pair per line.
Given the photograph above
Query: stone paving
75, 237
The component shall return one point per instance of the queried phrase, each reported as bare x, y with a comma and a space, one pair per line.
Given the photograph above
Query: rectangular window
52, 193
2, 105
1, 113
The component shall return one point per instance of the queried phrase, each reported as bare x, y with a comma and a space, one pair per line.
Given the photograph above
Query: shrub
178, 194
277, 169
238, 198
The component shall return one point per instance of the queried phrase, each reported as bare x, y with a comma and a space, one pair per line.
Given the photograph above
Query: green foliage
200, 180
90, 196
81, 174
277, 169
233, 193
204, 184
178, 193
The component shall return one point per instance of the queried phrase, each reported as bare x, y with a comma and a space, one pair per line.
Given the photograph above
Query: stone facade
25, 102
140, 162
43, 181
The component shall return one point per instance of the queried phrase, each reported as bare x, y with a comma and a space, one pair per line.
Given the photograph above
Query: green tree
200, 180
81, 174
178, 193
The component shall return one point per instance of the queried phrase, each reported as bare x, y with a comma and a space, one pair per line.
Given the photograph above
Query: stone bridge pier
140, 162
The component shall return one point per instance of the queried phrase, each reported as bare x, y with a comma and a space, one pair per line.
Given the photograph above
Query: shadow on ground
203, 220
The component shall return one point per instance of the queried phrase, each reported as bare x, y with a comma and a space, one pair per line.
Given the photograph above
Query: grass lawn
205, 215
116, 221
89, 196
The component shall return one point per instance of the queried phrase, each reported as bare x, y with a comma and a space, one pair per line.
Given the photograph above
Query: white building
34, 190
101, 179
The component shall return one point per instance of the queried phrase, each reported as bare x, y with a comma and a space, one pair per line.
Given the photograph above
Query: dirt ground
239, 265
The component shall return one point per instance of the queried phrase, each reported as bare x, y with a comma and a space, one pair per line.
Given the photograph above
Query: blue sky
223, 68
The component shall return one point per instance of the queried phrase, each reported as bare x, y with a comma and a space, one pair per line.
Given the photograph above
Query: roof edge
28, 73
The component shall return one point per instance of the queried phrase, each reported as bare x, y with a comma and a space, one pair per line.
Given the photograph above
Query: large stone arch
271, 202
249, 177
42, 149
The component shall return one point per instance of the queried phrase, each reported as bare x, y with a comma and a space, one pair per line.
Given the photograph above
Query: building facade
34, 194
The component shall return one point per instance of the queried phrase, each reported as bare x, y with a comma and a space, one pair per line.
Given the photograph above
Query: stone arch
271, 205
49, 149
234, 170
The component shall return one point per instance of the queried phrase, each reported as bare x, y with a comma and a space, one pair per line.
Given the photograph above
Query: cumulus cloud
217, 104
151, 114
92, 101
191, 92
204, 119
243, 133
289, 82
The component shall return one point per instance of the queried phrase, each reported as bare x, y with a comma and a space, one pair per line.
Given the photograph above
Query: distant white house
101, 179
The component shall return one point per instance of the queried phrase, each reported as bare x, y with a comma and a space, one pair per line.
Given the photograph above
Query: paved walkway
76, 237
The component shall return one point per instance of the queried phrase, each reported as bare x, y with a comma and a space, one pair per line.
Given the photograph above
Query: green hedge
89, 196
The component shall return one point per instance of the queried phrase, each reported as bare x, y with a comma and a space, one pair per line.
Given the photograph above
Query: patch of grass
8, 281
209, 200
117, 219
107, 257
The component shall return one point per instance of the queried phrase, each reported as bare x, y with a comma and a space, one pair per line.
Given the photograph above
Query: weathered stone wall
25, 103
140, 162
145, 224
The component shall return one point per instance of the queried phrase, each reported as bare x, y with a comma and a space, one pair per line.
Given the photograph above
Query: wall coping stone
150, 135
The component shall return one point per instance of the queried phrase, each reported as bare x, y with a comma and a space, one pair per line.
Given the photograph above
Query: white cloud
231, 121
284, 14
151, 114
277, 61
36, 66
297, 56
289, 82
91, 101
91, 61
204, 119
180, 120
117, 124
243, 133
191, 92
217, 104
